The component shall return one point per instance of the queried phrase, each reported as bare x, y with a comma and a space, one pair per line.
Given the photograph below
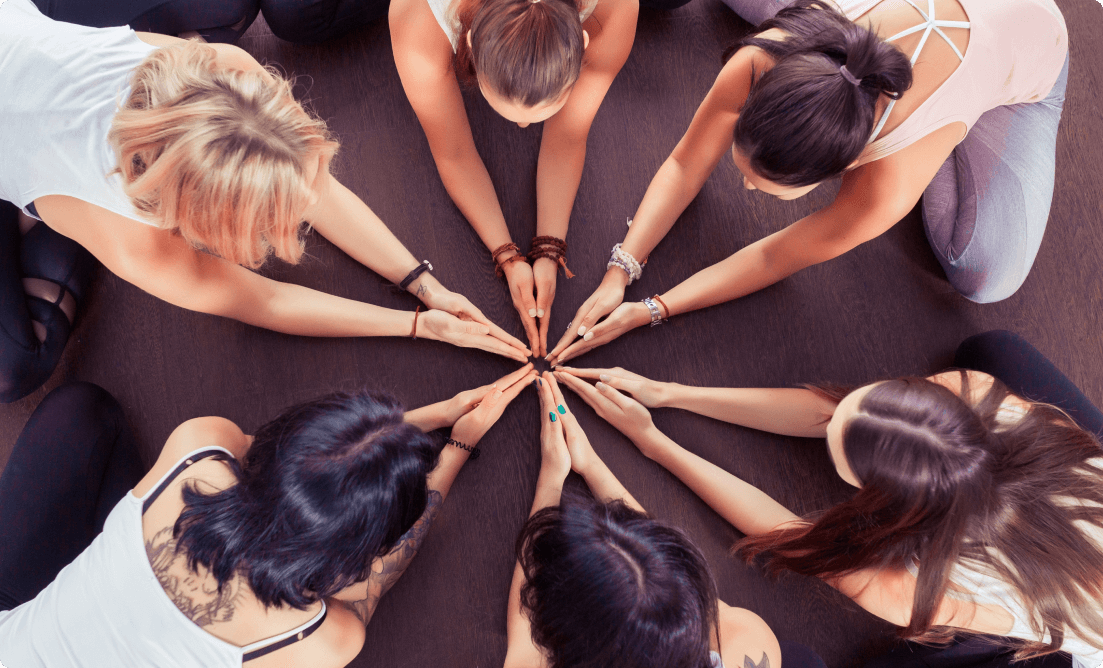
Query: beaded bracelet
553, 248
475, 452
623, 259
505, 248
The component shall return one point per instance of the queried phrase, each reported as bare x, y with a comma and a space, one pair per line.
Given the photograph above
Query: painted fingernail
539, 382
552, 416
604, 377
562, 411
539, 313
532, 313
589, 335
534, 382
559, 367
581, 330
601, 386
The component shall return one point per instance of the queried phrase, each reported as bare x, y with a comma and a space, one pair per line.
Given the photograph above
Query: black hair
608, 586
804, 122
325, 488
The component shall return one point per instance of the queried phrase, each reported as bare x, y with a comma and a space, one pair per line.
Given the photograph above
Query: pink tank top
1016, 51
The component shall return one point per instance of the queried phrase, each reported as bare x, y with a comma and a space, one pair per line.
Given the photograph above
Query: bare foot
37, 287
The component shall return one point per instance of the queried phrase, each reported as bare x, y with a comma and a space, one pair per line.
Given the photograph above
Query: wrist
667, 395
616, 277
640, 314
650, 442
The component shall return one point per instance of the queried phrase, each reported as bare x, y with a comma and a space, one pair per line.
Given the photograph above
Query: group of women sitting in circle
182, 165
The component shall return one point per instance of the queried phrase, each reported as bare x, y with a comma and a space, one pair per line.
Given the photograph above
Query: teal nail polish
562, 411
552, 415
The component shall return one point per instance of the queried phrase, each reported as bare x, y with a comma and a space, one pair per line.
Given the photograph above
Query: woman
207, 151
978, 509
947, 108
648, 596
270, 550
548, 60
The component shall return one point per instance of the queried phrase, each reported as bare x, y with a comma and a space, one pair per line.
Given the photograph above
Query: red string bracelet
413, 333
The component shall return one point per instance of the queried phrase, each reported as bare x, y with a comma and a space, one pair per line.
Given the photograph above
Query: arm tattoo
421, 289
189, 591
764, 663
386, 570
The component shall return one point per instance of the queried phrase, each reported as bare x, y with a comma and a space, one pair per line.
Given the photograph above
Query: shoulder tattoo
764, 663
189, 591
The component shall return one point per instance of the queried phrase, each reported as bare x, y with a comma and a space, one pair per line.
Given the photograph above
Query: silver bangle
656, 314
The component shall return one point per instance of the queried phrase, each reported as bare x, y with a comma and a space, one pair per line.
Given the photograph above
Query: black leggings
73, 462
25, 362
1027, 373
216, 20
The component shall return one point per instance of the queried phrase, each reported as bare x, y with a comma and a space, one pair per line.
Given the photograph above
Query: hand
544, 273
439, 297
443, 326
521, 289
650, 393
607, 297
471, 428
623, 412
582, 453
555, 457
624, 318
468, 400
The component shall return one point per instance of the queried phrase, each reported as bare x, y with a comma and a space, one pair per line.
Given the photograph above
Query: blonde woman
206, 151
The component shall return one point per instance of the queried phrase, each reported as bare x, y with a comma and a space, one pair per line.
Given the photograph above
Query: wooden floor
882, 310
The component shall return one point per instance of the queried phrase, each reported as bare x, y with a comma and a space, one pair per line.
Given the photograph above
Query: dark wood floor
882, 310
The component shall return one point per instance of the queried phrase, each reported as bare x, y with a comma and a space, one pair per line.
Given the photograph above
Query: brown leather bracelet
505, 248
663, 304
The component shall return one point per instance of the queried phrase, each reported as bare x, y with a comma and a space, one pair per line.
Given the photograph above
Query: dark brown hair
607, 586
528, 52
803, 121
949, 482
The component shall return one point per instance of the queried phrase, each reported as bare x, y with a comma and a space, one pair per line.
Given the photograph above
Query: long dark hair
325, 488
608, 586
528, 52
803, 121
947, 483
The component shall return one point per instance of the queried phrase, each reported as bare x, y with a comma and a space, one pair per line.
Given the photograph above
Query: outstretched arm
611, 30
786, 411
744, 506
362, 598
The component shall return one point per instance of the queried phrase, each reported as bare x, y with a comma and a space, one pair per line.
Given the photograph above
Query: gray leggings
986, 209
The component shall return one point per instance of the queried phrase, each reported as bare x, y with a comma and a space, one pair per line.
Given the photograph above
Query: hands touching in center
627, 414
607, 300
452, 318
532, 288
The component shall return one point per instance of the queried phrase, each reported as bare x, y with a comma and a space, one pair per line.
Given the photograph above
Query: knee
84, 403
988, 286
311, 23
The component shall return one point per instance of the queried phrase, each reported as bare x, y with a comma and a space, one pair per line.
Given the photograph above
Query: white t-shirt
62, 86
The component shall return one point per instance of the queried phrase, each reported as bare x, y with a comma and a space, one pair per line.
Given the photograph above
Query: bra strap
284, 639
188, 461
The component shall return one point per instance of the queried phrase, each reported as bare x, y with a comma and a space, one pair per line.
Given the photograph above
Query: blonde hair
218, 154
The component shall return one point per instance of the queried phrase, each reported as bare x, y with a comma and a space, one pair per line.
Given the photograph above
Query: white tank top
107, 608
445, 13
62, 85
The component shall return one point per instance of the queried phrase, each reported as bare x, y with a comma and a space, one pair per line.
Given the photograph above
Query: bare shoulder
190, 436
334, 645
746, 641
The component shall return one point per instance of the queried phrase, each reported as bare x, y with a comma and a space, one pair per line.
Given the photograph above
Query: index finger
501, 334
491, 345
557, 393
587, 391
513, 376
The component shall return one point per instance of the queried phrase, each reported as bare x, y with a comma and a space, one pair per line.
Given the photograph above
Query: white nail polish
589, 335
604, 378
601, 386
582, 330
539, 313
532, 313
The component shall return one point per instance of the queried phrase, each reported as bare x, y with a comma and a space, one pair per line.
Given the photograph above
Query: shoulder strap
259, 649
188, 460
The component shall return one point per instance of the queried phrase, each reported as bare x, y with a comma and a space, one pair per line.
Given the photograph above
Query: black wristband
475, 452
412, 276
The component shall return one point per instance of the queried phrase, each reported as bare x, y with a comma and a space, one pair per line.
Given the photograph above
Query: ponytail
810, 117
528, 52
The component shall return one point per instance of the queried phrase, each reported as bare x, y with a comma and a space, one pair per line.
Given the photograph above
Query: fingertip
601, 386
604, 378
532, 313
589, 336
582, 330
539, 313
